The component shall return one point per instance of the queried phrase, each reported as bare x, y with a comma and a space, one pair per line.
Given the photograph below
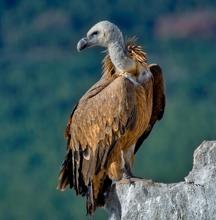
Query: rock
193, 199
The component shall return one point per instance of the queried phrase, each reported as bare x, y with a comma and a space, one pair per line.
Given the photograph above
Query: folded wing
158, 102
96, 124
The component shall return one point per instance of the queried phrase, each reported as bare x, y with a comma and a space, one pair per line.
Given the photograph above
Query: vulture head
101, 34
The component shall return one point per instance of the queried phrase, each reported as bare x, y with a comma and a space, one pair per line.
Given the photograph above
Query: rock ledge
195, 198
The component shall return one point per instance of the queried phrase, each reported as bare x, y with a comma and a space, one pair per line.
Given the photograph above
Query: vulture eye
94, 33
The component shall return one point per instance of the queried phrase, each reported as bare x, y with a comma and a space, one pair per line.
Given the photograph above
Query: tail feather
90, 205
93, 199
66, 176
71, 175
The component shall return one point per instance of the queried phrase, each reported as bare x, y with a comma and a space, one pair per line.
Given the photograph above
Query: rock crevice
194, 198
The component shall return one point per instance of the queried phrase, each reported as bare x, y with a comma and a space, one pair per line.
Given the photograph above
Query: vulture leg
127, 175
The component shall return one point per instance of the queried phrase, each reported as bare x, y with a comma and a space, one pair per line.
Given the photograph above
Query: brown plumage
159, 102
114, 115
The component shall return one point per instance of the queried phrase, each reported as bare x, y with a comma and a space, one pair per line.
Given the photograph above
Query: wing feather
97, 122
158, 102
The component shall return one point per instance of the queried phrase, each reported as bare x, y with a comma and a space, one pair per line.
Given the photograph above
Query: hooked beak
82, 44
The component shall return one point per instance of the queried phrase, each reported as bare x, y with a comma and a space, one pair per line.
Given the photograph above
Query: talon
127, 177
127, 181
132, 182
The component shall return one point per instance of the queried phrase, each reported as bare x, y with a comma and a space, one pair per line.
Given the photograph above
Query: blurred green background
42, 76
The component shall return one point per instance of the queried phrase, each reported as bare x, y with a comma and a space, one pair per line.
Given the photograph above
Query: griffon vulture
112, 119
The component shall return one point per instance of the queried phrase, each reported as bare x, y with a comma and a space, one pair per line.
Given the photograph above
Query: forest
42, 76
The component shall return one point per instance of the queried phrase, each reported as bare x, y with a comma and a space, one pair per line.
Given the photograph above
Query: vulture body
112, 119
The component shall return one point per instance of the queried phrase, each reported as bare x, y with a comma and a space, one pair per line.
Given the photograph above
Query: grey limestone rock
193, 199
